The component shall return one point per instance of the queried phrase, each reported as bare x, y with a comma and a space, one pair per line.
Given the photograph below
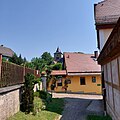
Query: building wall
9, 101
103, 35
77, 88
112, 84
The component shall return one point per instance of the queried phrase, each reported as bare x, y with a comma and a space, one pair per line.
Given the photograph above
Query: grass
95, 117
53, 110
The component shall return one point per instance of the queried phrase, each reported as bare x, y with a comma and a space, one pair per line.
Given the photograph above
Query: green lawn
53, 110
95, 117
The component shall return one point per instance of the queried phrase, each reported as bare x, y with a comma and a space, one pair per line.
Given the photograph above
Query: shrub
46, 96
37, 105
43, 94
28, 94
36, 94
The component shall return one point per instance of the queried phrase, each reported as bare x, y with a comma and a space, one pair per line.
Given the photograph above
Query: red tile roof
107, 11
78, 62
58, 72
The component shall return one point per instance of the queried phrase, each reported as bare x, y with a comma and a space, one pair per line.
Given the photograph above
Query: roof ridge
101, 2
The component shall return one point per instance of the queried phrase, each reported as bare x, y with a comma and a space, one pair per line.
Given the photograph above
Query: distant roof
58, 72
81, 63
6, 51
107, 11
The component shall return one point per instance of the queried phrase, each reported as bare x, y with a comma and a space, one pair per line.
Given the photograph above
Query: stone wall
9, 101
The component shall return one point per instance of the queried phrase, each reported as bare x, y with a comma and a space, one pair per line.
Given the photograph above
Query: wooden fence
12, 74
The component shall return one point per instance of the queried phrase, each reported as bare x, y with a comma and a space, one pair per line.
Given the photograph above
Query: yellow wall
76, 87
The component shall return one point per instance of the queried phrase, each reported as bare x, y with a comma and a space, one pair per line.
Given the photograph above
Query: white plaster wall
115, 72
104, 34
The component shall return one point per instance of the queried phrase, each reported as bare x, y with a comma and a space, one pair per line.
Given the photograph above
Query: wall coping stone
10, 88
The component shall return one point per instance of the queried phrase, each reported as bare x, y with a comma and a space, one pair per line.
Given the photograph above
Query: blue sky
31, 27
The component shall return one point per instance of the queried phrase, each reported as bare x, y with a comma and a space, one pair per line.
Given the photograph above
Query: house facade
107, 23
82, 74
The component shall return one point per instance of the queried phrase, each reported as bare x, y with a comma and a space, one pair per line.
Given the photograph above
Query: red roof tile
107, 11
58, 72
78, 62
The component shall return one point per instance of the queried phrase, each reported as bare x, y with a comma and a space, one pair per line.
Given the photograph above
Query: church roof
58, 50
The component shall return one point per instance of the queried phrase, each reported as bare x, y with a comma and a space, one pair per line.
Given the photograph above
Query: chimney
96, 54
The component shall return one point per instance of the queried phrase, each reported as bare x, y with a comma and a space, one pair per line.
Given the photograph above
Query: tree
57, 66
47, 58
17, 60
38, 63
14, 59
20, 60
28, 95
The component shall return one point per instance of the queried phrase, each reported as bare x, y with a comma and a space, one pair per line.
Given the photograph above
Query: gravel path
78, 106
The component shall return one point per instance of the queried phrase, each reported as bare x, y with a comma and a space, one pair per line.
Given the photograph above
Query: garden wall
9, 101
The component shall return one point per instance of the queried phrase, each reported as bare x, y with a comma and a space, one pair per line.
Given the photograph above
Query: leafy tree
29, 65
14, 59
47, 58
20, 60
57, 66
17, 60
38, 63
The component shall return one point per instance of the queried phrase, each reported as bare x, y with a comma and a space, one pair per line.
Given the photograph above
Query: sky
32, 27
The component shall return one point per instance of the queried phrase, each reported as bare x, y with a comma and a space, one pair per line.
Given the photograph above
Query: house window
59, 83
82, 80
93, 79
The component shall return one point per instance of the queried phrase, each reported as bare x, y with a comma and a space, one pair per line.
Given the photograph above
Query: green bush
43, 94
37, 105
36, 94
47, 97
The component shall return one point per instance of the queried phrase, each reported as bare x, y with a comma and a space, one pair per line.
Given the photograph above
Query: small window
59, 83
82, 80
93, 79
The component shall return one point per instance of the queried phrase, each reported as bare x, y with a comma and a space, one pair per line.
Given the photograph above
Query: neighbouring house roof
58, 72
6, 51
107, 11
81, 63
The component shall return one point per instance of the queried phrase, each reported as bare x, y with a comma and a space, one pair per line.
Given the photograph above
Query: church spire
58, 50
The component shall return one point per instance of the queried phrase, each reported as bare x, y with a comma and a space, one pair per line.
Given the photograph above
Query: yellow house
82, 74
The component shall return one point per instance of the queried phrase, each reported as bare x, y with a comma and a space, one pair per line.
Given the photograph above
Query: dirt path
78, 106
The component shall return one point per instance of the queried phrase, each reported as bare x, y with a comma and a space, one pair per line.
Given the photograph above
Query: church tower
58, 55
